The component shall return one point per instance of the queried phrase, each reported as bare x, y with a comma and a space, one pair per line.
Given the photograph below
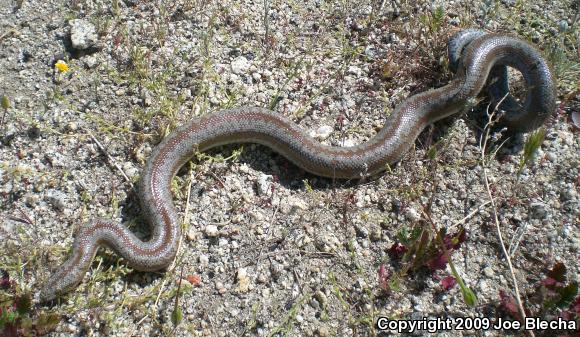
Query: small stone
130, 170
192, 234
244, 168
487, 271
361, 231
394, 39
264, 184
322, 132
322, 331
240, 65
348, 143
321, 298
146, 96
563, 26
71, 127
412, 215
370, 51
538, 210
262, 278
220, 288
354, 70
569, 194
211, 231
276, 270
266, 73
90, 61
83, 34
508, 3
314, 304
203, 260
57, 199
376, 234
576, 119
243, 280
292, 205
298, 203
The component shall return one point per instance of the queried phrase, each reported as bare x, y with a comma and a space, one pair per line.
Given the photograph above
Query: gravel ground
269, 250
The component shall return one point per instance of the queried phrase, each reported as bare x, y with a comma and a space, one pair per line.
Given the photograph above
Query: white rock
211, 231
488, 272
293, 204
412, 215
243, 280
57, 199
244, 168
264, 184
90, 61
191, 234
130, 170
348, 143
354, 70
266, 73
83, 34
203, 260
240, 65
322, 132
297, 203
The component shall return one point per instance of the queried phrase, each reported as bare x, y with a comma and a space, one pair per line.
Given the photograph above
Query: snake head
458, 43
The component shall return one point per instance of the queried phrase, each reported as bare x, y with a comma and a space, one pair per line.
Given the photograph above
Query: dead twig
483, 145
468, 216
111, 160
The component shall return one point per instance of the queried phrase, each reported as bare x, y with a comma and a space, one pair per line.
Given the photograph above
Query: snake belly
475, 55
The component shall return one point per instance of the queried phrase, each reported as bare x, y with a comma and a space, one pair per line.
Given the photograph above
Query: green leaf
395, 283
567, 293
176, 316
23, 304
468, 295
432, 153
422, 245
403, 235
531, 146
417, 231
4, 102
7, 317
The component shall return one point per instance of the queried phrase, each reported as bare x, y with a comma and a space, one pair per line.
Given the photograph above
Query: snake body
476, 56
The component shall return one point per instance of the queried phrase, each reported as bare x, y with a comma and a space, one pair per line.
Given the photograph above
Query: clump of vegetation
5, 104
531, 146
421, 249
433, 20
554, 297
16, 317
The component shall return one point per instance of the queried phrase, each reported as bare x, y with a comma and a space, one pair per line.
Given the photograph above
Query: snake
479, 60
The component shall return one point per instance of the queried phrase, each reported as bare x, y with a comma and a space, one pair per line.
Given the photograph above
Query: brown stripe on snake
477, 56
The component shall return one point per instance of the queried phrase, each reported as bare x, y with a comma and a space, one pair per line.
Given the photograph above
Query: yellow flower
61, 66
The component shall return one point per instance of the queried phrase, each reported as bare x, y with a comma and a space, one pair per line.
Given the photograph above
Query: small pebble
211, 231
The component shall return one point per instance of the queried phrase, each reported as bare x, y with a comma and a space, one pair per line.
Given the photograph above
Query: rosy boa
475, 55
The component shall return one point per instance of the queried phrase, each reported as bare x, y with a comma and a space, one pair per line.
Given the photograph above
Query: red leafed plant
448, 282
554, 296
15, 312
421, 249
